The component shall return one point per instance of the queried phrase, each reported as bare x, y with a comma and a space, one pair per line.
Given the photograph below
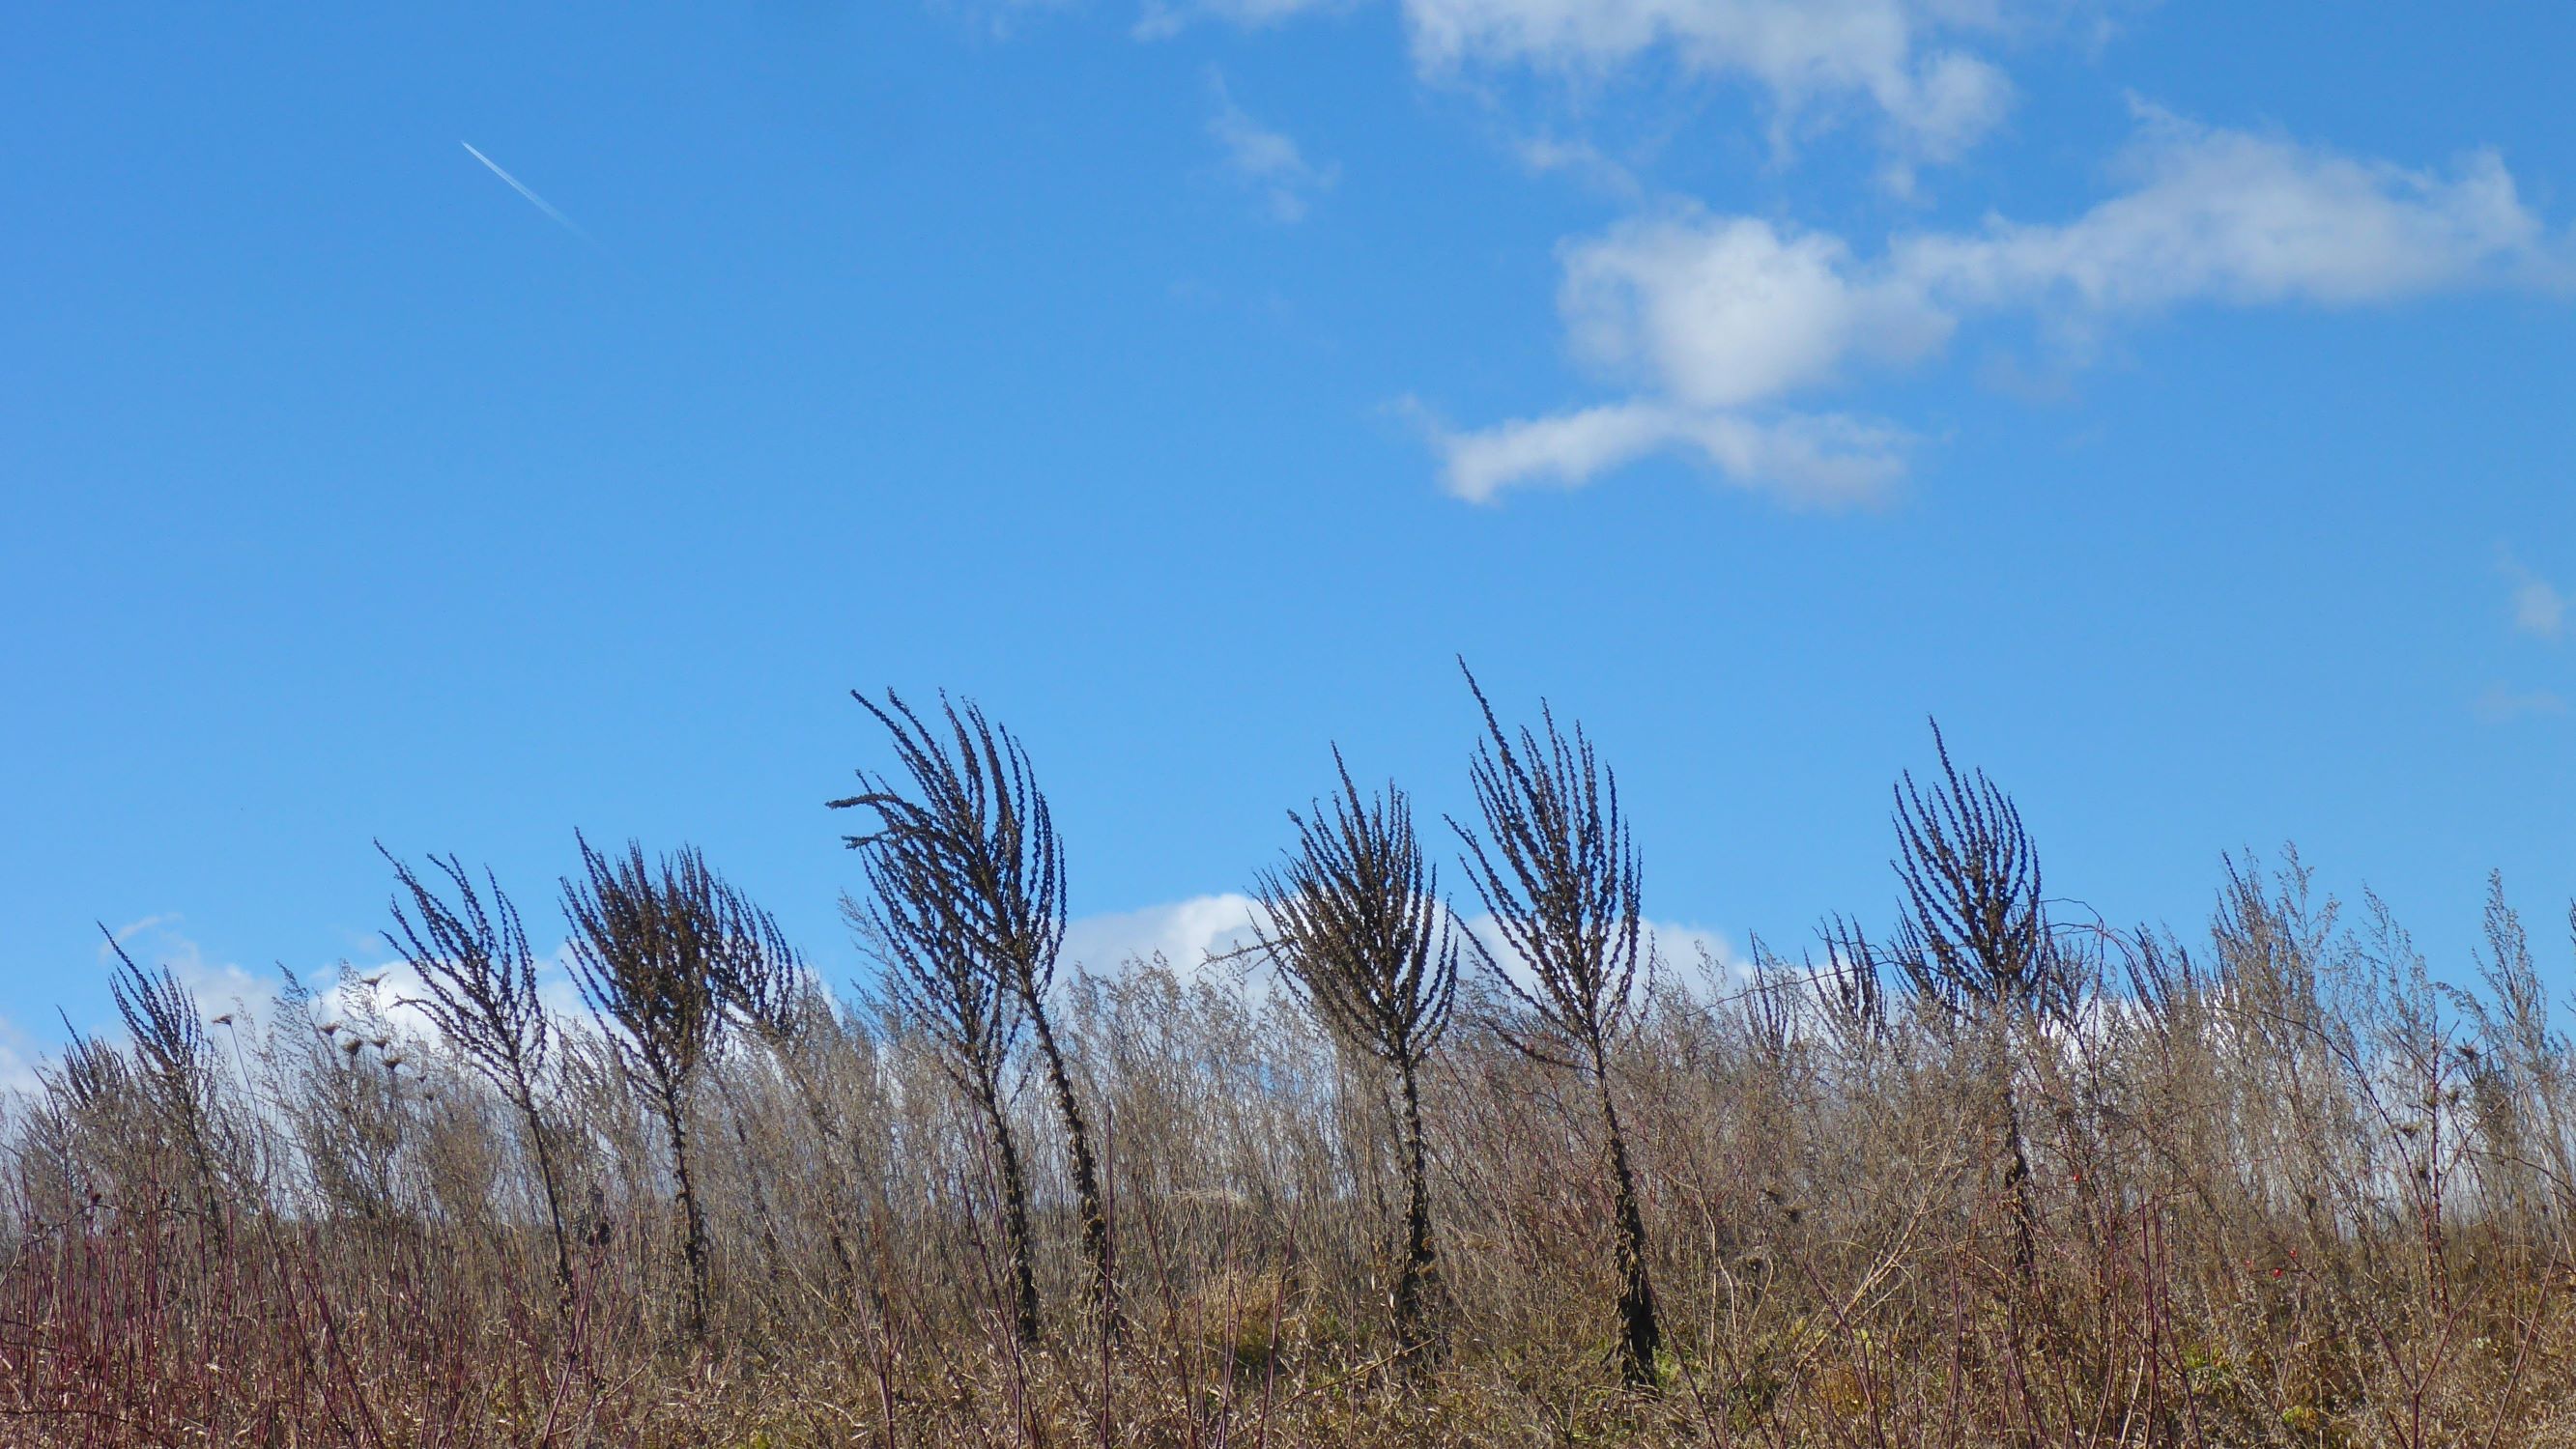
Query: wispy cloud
521, 187
1888, 55
2501, 704
1720, 322
1902, 60
1554, 155
1266, 160
156, 941
2538, 607
1802, 459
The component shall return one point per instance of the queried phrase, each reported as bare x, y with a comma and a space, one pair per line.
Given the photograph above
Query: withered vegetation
1411, 1170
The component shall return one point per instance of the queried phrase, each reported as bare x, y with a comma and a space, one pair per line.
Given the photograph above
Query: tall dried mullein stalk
176, 1067
480, 977
1973, 941
1354, 920
1557, 872
982, 840
654, 947
69, 1136
934, 980
1848, 992
1978, 938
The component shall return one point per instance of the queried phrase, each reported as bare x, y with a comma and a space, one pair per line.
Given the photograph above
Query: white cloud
1185, 933
1699, 962
1165, 17
1000, 19
19, 1054
1189, 933
2538, 607
1721, 312
343, 991
1804, 53
1809, 57
1803, 459
1194, 936
1551, 155
1267, 161
218, 986
2500, 704
1718, 321
2228, 216
1695, 956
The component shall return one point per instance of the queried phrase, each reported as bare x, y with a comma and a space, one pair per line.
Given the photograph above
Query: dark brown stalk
1557, 872
975, 818
481, 979
170, 1045
933, 980
655, 947
1355, 922
1974, 942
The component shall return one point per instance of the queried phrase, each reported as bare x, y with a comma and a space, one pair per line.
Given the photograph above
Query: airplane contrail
541, 204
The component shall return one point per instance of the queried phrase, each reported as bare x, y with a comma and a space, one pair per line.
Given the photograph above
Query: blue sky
2174, 399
